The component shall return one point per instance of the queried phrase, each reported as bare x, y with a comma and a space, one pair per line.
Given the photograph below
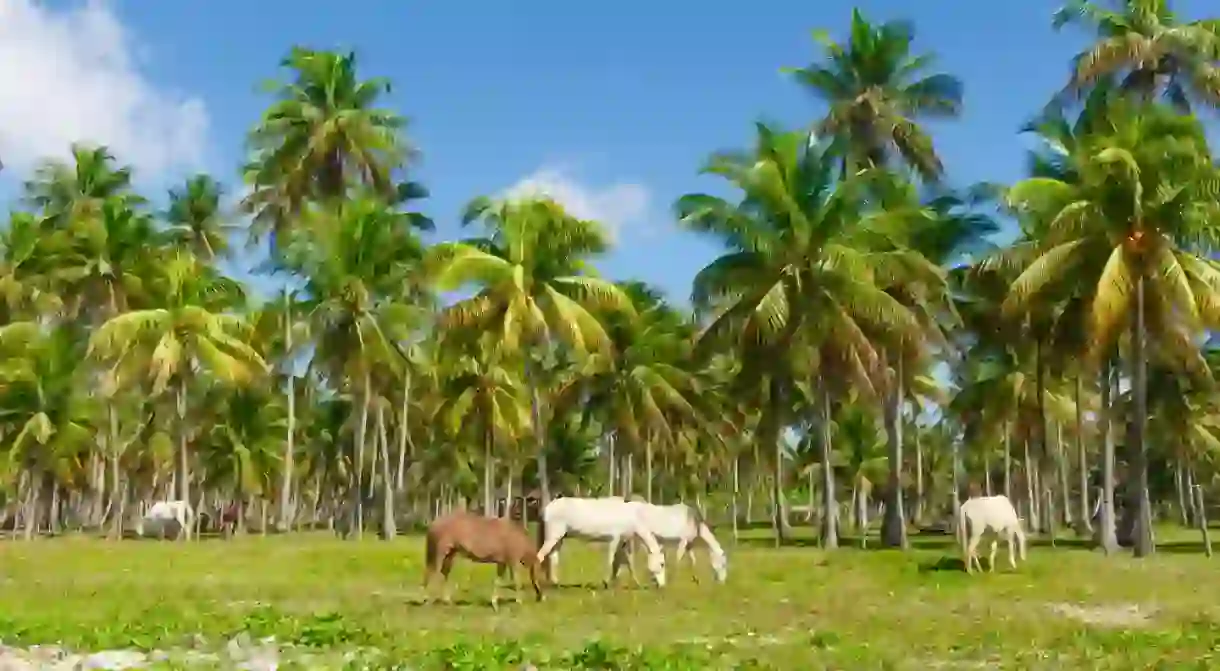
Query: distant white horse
161, 513
599, 519
682, 525
996, 513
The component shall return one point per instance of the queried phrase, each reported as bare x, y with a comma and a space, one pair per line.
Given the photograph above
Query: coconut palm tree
877, 92
797, 274
189, 330
1145, 48
535, 291
197, 220
1134, 225
323, 135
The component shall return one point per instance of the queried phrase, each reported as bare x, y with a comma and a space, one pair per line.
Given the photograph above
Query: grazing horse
683, 525
161, 513
486, 540
996, 513
610, 519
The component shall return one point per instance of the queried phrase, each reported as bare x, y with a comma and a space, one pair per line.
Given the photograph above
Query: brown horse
486, 540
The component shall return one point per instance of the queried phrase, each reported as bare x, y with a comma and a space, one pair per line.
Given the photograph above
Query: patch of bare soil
1114, 616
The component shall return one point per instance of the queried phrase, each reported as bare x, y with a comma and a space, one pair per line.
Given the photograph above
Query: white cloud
70, 75
616, 205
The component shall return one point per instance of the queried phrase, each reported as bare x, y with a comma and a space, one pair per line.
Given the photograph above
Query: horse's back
598, 518
672, 522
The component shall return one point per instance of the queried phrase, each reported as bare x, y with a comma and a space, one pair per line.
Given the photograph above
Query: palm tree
1145, 45
797, 274
485, 403
641, 393
876, 92
322, 136
534, 292
1132, 224
357, 257
196, 219
188, 330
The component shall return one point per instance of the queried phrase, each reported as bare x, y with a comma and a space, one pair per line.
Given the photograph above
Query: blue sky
616, 103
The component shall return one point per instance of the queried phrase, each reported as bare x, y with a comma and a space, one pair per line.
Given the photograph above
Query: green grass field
791, 608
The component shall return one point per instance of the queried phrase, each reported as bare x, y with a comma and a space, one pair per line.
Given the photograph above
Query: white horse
161, 513
682, 525
996, 513
599, 519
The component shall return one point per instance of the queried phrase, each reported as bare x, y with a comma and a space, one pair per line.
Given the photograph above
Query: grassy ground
791, 608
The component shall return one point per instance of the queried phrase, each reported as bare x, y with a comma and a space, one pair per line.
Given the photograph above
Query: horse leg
681, 552
553, 570
995, 542
1012, 560
446, 567
550, 548
971, 548
495, 587
612, 559
628, 558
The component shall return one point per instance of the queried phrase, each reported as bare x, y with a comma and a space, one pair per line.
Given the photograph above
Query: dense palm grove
860, 344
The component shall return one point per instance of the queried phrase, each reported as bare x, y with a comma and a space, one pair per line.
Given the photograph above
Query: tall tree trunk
1007, 461
1179, 485
771, 437
489, 471
956, 457
284, 515
1139, 388
830, 507
1083, 461
405, 442
356, 494
540, 434
1031, 490
648, 467
116, 477
986, 472
1107, 535
919, 491
1065, 493
389, 526
893, 525
736, 494
184, 466
611, 462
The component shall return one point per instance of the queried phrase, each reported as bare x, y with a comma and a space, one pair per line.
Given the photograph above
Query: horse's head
656, 566
720, 565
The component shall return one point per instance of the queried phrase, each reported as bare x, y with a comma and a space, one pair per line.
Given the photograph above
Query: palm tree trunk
1139, 387
489, 479
356, 493
774, 424
116, 485
987, 472
1107, 536
389, 527
184, 467
611, 462
736, 494
648, 467
404, 434
919, 492
893, 526
1061, 464
1031, 490
1083, 459
1007, 461
830, 507
1179, 485
284, 516
544, 480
